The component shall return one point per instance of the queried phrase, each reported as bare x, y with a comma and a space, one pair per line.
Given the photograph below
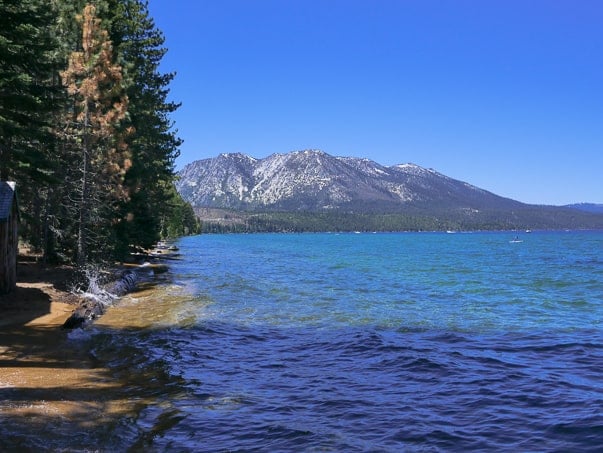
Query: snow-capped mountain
314, 191
313, 180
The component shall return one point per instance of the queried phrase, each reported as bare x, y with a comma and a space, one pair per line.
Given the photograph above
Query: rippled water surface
364, 342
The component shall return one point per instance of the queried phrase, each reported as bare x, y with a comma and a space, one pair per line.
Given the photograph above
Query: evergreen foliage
180, 219
30, 96
94, 84
85, 128
225, 221
154, 144
27, 59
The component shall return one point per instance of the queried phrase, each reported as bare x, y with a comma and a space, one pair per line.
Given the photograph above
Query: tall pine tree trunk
83, 202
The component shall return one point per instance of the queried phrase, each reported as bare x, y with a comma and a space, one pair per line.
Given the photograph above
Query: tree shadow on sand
62, 277
21, 306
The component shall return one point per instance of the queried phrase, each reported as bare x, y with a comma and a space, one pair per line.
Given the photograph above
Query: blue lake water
366, 342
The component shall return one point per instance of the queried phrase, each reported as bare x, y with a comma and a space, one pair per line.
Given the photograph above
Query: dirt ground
42, 297
31, 318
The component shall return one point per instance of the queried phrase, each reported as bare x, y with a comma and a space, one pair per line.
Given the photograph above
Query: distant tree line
85, 127
529, 217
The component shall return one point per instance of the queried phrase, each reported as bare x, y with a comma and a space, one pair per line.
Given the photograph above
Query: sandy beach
47, 382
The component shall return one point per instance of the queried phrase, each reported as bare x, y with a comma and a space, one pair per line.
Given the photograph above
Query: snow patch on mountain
314, 180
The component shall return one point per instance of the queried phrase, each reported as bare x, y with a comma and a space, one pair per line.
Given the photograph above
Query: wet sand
30, 326
49, 385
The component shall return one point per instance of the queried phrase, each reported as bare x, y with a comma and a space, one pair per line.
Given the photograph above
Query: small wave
80, 335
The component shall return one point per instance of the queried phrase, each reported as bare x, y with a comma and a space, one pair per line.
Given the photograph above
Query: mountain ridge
315, 180
587, 207
312, 181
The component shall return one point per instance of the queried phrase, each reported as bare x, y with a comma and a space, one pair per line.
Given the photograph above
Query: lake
360, 342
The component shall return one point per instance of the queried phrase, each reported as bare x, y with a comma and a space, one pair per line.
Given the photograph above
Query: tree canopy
85, 127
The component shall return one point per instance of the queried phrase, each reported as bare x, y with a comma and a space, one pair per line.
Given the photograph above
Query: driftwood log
95, 305
87, 311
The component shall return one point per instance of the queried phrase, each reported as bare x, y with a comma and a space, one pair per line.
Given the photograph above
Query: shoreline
38, 368
48, 381
56, 391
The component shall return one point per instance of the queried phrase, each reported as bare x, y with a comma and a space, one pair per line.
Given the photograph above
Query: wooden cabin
9, 240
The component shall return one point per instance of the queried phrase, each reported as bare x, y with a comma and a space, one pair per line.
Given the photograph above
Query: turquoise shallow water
461, 282
365, 342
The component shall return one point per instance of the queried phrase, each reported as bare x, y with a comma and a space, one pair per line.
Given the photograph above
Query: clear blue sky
504, 94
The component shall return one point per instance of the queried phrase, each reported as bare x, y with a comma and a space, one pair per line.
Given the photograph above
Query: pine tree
30, 102
94, 83
154, 144
27, 59
179, 218
84, 125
